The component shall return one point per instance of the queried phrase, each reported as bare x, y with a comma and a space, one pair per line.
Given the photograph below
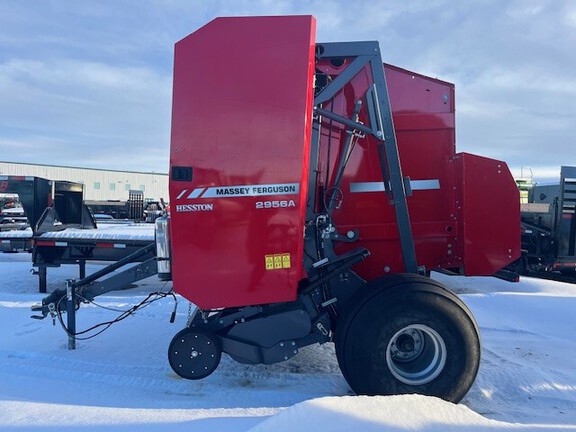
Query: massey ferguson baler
312, 189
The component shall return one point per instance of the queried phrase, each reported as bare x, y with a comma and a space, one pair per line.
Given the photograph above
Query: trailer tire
408, 334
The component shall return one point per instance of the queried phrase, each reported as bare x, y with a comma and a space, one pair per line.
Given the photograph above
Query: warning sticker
286, 261
277, 261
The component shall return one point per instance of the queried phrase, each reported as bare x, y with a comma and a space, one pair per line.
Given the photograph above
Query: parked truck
313, 188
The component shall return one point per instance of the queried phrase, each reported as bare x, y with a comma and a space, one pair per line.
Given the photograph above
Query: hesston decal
194, 207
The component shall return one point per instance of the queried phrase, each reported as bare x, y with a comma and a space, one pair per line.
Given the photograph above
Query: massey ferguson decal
238, 191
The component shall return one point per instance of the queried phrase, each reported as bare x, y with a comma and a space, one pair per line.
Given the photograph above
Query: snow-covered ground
121, 380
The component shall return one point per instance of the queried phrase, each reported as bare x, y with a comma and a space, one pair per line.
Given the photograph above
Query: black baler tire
391, 304
358, 300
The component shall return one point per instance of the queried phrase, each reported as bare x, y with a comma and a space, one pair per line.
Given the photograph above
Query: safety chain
190, 315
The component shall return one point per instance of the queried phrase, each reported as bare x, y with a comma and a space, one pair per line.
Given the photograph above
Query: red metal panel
464, 210
241, 119
488, 206
424, 119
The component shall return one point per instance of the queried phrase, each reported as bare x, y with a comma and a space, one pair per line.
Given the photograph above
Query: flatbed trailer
15, 240
62, 230
108, 243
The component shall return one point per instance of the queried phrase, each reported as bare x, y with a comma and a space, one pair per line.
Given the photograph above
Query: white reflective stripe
367, 187
379, 186
252, 190
181, 194
195, 193
119, 245
425, 184
61, 244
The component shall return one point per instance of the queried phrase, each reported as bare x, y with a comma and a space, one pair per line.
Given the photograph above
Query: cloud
82, 77
86, 107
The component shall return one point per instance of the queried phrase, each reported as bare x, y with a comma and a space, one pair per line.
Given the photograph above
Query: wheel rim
416, 354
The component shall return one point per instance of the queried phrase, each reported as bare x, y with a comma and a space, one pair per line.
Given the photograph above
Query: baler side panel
488, 206
242, 111
423, 114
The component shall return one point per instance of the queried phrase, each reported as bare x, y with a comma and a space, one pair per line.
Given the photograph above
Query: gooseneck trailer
61, 230
313, 188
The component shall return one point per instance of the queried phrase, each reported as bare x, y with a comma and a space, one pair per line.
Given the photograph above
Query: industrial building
99, 184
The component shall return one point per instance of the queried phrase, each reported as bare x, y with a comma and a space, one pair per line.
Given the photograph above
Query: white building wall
99, 185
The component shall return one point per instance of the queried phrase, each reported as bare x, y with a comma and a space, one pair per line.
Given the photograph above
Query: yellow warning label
277, 261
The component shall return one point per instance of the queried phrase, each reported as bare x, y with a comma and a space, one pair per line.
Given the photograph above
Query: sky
80, 80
